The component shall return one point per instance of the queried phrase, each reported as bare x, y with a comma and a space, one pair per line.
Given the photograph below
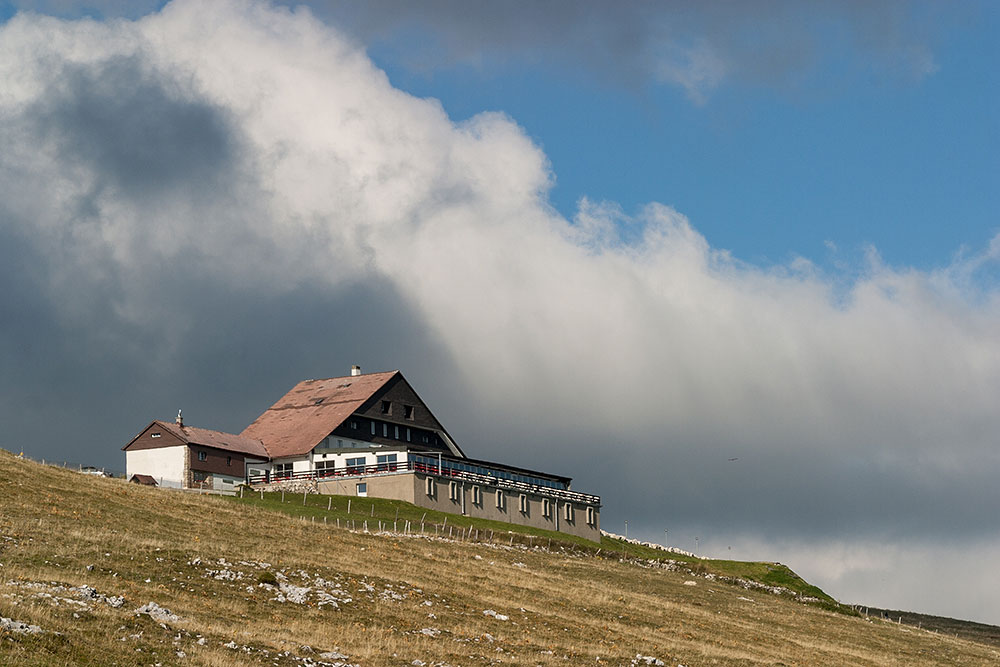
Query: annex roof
147, 480
311, 410
193, 435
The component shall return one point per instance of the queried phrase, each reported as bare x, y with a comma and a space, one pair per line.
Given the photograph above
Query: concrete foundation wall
412, 488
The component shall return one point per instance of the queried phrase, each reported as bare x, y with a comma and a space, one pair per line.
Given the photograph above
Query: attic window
408, 412
387, 407
155, 435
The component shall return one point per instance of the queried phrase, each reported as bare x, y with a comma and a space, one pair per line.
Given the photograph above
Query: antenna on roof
355, 370
180, 420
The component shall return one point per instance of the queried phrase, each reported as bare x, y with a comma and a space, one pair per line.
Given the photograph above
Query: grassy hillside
375, 514
110, 573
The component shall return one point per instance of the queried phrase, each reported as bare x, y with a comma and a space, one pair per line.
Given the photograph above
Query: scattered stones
430, 632
646, 660
499, 617
157, 613
19, 627
690, 583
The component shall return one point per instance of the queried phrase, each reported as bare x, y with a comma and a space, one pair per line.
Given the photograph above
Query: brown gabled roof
148, 480
311, 411
217, 439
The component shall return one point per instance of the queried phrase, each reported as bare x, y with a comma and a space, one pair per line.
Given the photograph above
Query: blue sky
207, 202
848, 153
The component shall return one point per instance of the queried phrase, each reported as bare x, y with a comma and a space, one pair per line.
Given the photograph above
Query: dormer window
202, 456
387, 407
408, 412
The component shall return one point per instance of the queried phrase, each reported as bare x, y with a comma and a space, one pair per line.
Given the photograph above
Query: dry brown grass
563, 608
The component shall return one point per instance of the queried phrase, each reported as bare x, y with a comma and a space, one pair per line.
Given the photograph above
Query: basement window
568, 513
522, 503
453, 491
591, 517
546, 508
477, 496
501, 501
430, 487
408, 412
363, 489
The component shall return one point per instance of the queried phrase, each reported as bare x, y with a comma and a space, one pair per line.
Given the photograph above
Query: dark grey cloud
695, 45
144, 134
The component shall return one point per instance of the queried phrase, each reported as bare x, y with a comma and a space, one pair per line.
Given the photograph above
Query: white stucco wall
163, 463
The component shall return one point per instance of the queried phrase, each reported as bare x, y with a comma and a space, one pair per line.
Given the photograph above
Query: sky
733, 266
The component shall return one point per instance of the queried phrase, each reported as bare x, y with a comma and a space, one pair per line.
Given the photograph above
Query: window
363, 489
407, 435
354, 424
387, 407
522, 503
386, 462
282, 470
568, 512
591, 517
453, 492
546, 508
501, 501
202, 456
397, 432
430, 487
356, 466
385, 430
408, 412
425, 438
155, 435
229, 460
373, 428
477, 496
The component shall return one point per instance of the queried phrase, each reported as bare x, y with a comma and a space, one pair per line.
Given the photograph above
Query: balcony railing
442, 471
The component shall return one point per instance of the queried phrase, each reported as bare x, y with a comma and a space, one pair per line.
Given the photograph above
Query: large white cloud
234, 152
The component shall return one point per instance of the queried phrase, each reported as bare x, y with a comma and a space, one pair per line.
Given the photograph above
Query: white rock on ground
158, 613
20, 627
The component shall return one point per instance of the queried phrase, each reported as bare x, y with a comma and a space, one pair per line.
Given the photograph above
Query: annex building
364, 435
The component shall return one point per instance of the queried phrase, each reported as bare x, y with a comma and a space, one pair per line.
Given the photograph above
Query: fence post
329, 503
348, 505
304, 498
282, 495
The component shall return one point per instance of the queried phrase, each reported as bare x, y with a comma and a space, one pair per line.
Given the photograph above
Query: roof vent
180, 420
355, 370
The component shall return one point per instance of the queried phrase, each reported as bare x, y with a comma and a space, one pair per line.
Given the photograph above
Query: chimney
180, 420
355, 370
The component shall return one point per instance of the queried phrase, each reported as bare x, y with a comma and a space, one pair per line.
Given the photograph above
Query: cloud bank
208, 204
